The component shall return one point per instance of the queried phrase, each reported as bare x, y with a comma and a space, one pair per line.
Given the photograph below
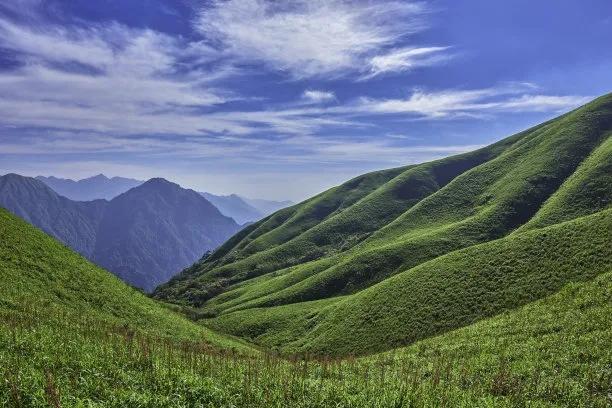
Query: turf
550, 353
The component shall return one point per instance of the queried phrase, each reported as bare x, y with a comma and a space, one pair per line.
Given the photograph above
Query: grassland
550, 353
396, 256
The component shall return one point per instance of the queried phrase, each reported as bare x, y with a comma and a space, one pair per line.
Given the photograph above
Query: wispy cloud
316, 96
453, 103
309, 37
108, 78
405, 59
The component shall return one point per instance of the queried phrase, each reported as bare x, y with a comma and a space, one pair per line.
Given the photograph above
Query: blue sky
283, 99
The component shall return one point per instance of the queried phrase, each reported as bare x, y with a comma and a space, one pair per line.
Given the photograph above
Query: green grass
551, 353
352, 246
39, 273
448, 292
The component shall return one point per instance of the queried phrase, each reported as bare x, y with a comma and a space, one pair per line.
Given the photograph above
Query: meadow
554, 352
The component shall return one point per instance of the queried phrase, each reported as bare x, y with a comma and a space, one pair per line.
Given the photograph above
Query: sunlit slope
40, 274
325, 226
448, 292
554, 351
379, 224
588, 190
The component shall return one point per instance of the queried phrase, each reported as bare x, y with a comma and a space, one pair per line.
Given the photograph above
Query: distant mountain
152, 231
236, 207
267, 207
144, 235
242, 210
91, 188
73, 222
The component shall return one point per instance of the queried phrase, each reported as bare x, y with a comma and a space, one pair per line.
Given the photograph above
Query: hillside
144, 236
91, 340
355, 269
91, 188
42, 276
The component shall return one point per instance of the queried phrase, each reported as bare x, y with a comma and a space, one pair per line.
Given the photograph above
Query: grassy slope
448, 292
550, 353
554, 172
40, 274
324, 226
587, 191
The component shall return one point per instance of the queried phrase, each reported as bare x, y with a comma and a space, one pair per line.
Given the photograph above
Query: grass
41, 273
353, 247
440, 295
551, 353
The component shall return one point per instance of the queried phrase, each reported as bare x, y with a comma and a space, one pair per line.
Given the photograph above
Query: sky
283, 99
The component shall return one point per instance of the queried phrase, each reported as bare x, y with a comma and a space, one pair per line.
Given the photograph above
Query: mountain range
243, 210
395, 256
144, 235
91, 188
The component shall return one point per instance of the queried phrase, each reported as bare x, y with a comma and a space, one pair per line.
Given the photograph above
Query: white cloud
132, 82
314, 96
309, 37
405, 59
125, 81
453, 103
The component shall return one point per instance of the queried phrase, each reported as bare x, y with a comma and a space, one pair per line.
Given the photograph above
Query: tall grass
552, 353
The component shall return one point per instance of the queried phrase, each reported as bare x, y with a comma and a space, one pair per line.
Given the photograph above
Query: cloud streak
406, 59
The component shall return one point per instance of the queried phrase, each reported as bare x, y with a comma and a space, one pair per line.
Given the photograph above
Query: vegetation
64, 351
392, 257
483, 279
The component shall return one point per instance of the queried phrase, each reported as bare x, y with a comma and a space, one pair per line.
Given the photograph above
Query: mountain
399, 255
242, 210
72, 222
152, 231
144, 235
267, 207
235, 207
92, 188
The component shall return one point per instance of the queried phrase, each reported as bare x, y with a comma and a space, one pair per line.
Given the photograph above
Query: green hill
41, 276
72, 335
402, 254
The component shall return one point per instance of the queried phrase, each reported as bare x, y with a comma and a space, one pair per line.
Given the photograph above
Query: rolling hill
71, 334
399, 255
144, 235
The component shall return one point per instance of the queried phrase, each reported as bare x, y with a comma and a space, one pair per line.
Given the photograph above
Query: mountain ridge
153, 240
304, 260
243, 210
